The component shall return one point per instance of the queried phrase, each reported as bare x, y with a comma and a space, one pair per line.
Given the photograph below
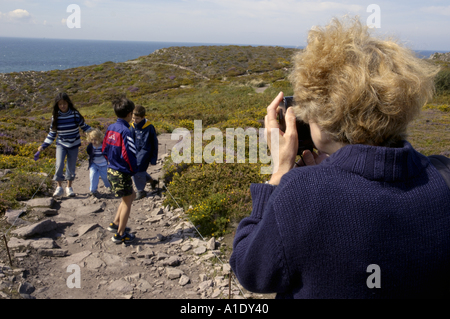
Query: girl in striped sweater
66, 121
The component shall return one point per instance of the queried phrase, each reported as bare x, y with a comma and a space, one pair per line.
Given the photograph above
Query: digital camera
303, 131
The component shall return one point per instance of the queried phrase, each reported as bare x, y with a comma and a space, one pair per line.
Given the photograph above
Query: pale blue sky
422, 25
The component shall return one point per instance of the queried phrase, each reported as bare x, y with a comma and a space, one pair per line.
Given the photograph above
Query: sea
33, 54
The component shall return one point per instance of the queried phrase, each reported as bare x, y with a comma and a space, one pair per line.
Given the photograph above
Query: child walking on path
97, 162
119, 150
146, 143
66, 121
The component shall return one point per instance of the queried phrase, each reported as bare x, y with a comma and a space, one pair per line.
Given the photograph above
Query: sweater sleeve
257, 258
49, 139
82, 124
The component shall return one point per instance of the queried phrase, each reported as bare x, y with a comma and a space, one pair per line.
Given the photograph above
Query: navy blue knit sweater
315, 234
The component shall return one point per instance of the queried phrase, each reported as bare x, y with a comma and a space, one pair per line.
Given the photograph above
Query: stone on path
76, 258
53, 252
94, 262
173, 273
146, 253
211, 245
156, 212
144, 285
111, 260
15, 242
200, 250
46, 211
43, 243
186, 247
184, 280
86, 228
12, 217
38, 228
120, 286
40, 202
171, 261
226, 268
204, 285
90, 209
176, 241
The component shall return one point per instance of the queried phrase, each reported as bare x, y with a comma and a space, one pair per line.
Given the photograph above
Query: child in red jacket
119, 149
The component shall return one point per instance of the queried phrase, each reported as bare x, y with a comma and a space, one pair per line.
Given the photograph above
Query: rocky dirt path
64, 244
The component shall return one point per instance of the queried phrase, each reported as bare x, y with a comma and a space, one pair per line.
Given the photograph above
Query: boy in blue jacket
120, 151
146, 143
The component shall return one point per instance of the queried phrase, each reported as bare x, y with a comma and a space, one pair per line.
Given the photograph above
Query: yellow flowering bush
24, 180
210, 215
440, 107
218, 192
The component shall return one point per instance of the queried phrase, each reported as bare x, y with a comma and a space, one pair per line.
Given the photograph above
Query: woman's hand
40, 148
285, 149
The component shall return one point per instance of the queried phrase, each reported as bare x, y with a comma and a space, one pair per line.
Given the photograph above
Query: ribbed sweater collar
380, 163
69, 112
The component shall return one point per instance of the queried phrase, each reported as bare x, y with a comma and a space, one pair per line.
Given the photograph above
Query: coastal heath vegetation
223, 86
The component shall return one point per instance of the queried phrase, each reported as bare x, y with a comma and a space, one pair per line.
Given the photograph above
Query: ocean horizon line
155, 41
200, 43
25, 54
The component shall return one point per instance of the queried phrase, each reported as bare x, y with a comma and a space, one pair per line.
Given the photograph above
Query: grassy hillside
178, 85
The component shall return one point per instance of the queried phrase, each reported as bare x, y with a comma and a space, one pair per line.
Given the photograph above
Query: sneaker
58, 192
95, 194
69, 192
140, 195
125, 238
113, 228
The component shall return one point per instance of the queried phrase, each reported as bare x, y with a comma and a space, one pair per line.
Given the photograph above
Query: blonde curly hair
358, 88
95, 134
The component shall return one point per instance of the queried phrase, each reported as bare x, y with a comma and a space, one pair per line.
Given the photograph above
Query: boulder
173, 273
200, 250
184, 280
12, 217
172, 261
46, 211
40, 202
38, 228
211, 244
15, 242
43, 243
86, 228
